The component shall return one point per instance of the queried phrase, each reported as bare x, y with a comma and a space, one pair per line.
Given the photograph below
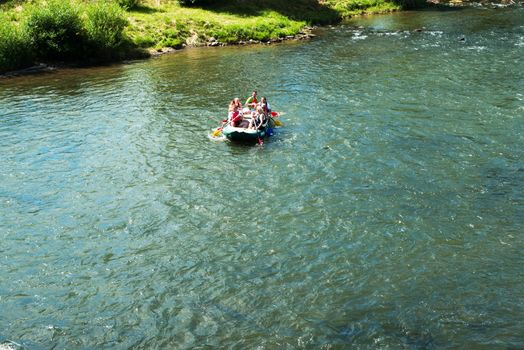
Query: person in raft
234, 113
252, 100
259, 119
265, 106
238, 103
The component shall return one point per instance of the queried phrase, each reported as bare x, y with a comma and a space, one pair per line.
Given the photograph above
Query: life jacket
253, 101
235, 118
260, 121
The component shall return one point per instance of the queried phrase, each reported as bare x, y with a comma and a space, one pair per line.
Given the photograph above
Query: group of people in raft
259, 111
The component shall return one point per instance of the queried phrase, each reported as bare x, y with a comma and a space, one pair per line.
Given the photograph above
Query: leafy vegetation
15, 51
55, 30
62, 30
104, 26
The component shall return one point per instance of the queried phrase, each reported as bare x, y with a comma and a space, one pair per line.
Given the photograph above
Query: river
387, 212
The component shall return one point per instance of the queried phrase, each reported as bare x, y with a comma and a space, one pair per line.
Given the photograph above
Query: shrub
104, 26
56, 30
15, 47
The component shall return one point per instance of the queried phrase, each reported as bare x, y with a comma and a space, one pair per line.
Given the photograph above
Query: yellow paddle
274, 115
219, 129
217, 132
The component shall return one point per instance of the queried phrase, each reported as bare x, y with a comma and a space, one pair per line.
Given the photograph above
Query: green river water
387, 213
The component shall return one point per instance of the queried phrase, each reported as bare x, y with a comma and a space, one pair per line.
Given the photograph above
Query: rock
212, 39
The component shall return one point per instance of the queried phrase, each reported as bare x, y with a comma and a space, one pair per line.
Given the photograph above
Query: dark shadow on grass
145, 9
310, 11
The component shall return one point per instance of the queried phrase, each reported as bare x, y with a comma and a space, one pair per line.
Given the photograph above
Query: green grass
348, 8
158, 23
71, 31
194, 26
15, 45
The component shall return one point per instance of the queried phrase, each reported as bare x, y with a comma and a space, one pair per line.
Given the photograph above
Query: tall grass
104, 25
56, 30
63, 30
15, 46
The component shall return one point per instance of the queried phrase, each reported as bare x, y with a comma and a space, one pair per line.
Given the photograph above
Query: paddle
275, 115
219, 129
275, 121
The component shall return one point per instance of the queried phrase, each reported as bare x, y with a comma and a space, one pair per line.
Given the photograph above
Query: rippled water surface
388, 212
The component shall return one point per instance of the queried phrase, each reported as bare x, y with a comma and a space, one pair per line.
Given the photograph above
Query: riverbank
87, 33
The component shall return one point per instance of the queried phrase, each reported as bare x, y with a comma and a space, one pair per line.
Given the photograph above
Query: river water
387, 212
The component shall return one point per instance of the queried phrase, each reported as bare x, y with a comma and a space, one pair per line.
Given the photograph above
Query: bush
104, 26
15, 47
56, 31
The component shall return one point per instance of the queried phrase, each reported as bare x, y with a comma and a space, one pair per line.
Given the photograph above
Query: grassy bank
62, 31
82, 31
